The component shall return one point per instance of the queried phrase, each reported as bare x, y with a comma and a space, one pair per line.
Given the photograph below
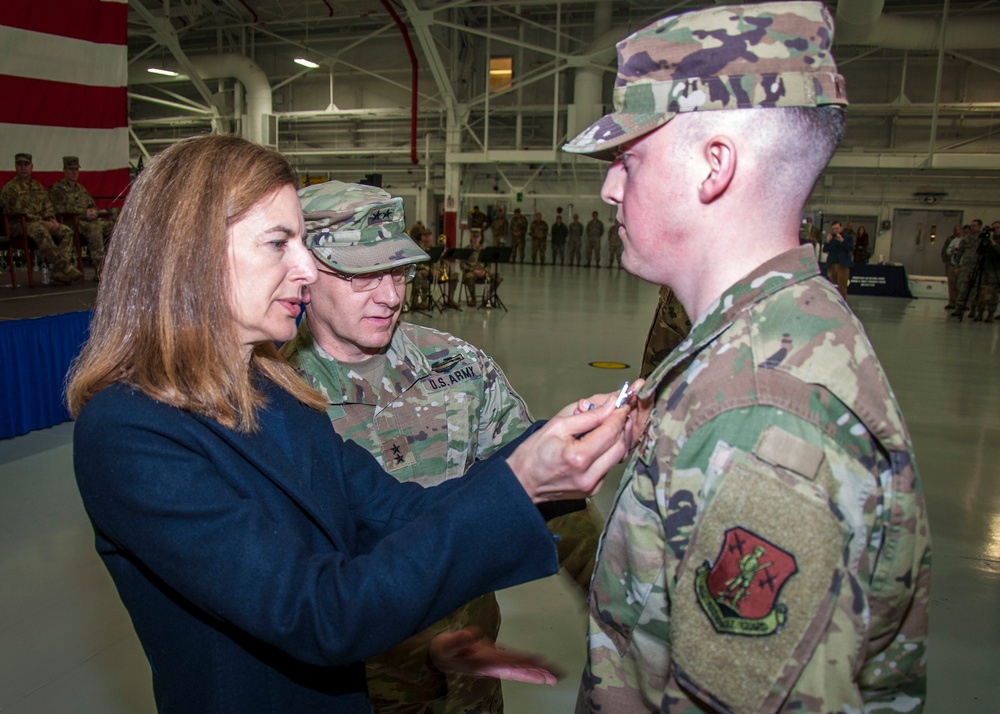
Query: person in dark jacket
261, 558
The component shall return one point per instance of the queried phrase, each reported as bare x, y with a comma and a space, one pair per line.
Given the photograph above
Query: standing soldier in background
539, 231
559, 233
968, 258
575, 240
518, 230
989, 286
23, 194
477, 219
614, 245
948, 249
69, 196
592, 249
768, 549
499, 227
426, 404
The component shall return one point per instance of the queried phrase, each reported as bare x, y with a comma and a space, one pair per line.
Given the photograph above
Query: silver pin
623, 396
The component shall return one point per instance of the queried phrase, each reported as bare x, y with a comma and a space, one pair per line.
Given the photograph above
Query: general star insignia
396, 454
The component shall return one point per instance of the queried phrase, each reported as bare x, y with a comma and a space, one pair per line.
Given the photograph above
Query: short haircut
163, 321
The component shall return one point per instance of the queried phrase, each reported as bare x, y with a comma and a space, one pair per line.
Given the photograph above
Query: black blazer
260, 571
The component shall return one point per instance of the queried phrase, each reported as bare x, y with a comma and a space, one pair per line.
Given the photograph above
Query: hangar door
917, 237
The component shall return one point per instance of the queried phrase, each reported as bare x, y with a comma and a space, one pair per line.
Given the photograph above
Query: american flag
63, 77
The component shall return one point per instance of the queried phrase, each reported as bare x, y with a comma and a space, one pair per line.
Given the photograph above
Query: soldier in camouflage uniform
426, 404
614, 246
575, 240
773, 432
499, 228
592, 248
421, 296
474, 270
539, 231
968, 258
23, 194
69, 196
989, 282
518, 229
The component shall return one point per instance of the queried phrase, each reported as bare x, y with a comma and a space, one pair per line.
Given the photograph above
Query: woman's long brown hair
163, 323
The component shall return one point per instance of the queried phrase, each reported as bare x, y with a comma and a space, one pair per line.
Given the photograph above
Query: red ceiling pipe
413, 64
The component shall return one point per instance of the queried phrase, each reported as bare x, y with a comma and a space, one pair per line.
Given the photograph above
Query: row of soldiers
565, 237
54, 240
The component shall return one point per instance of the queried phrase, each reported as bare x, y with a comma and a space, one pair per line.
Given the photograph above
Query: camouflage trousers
558, 253
517, 245
57, 256
968, 292
538, 250
615, 254
574, 251
402, 681
95, 232
592, 252
989, 296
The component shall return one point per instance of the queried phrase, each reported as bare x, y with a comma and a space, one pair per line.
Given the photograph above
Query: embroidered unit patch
739, 593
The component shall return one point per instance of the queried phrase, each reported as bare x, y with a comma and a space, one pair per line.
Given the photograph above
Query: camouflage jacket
595, 229
67, 198
473, 262
575, 231
768, 548
518, 225
28, 198
499, 228
539, 230
442, 403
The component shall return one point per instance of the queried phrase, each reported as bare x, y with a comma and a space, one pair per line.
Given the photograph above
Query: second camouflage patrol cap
71, 162
355, 228
773, 54
21, 156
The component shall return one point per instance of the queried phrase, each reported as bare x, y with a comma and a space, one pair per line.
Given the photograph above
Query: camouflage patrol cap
773, 54
357, 229
21, 156
71, 162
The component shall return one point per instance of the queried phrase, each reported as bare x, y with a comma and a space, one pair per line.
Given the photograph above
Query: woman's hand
465, 652
569, 456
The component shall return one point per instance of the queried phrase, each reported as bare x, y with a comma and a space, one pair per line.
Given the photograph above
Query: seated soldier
69, 196
473, 270
23, 194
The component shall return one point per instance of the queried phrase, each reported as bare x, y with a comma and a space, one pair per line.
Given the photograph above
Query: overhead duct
862, 22
243, 69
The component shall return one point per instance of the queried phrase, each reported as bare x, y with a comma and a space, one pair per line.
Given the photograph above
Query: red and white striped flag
63, 80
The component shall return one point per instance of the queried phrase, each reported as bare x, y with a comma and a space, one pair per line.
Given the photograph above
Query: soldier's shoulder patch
739, 591
443, 366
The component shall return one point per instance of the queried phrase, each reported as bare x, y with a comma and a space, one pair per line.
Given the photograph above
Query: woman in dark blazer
261, 558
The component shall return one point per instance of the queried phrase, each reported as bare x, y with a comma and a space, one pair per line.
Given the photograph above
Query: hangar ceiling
914, 105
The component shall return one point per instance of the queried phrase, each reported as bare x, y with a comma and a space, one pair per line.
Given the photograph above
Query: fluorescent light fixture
164, 72
501, 72
305, 62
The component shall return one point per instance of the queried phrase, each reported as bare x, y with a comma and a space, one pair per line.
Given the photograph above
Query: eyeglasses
366, 282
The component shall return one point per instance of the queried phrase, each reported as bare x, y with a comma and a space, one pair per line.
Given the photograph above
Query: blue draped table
34, 358
882, 280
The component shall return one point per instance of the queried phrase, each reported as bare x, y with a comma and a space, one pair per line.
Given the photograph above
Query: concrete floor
66, 644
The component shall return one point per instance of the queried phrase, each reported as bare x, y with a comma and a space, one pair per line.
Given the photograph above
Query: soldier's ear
720, 160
